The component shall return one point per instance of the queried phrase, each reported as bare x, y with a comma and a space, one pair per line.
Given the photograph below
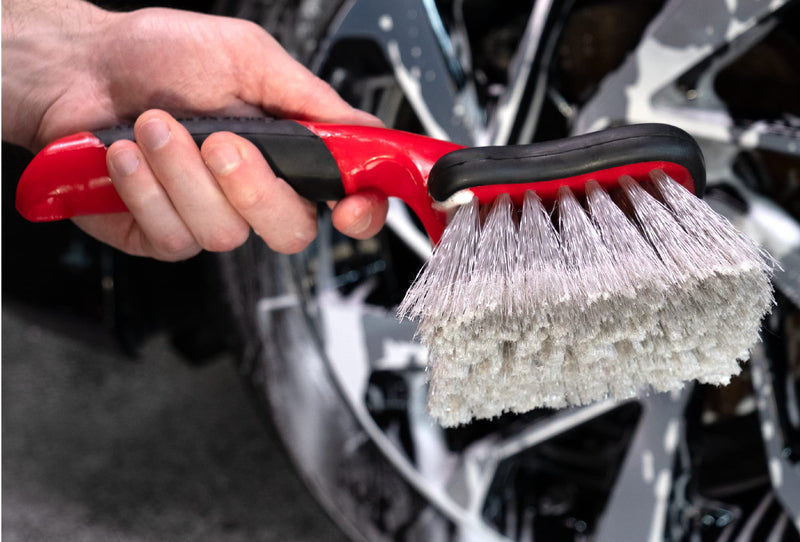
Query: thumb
289, 89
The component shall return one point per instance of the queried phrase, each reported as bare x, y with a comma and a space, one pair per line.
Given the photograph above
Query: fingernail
154, 134
124, 162
361, 223
223, 159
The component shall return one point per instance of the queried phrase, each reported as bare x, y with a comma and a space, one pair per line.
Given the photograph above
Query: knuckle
248, 198
174, 246
214, 139
171, 258
293, 242
225, 239
250, 28
308, 99
146, 195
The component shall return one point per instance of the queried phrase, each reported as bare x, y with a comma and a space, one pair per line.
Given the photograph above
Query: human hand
182, 199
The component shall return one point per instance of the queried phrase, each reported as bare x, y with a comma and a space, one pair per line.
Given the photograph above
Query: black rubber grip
563, 158
294, 153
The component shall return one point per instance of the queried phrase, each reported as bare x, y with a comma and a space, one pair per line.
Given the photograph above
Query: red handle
395, 162
70, 178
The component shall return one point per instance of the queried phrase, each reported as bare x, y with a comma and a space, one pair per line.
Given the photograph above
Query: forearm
47, 47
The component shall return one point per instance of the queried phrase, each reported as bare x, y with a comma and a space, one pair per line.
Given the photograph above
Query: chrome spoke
639, 511
683, 35
784, 474
509, 109
424, 61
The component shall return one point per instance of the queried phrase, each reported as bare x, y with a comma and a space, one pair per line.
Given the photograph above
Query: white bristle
540, 283
679, 252
710, 228
588, 261
541, 272
635, 260
436, 290
494, 261
650, 293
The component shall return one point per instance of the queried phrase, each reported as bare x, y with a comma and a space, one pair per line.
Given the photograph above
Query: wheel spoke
471, 481
640, 511
510, 109
785, 476
425, 64
682, 36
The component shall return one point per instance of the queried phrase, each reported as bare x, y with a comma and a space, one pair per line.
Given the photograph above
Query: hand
83, 68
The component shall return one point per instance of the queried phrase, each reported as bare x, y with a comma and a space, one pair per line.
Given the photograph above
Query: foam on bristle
649, 288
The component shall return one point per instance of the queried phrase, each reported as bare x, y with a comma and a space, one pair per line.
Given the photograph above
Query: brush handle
293, 152
320, 161
69, 177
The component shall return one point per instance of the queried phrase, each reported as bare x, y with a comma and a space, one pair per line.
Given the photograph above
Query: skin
70, 66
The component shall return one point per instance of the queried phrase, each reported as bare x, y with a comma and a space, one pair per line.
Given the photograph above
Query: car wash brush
563, 272
611, 280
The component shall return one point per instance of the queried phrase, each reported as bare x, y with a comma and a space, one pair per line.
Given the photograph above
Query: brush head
594, 290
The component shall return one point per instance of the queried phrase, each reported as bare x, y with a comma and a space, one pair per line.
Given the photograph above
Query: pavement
97, 446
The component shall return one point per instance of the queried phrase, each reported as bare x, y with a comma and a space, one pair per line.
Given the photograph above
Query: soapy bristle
646, 288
